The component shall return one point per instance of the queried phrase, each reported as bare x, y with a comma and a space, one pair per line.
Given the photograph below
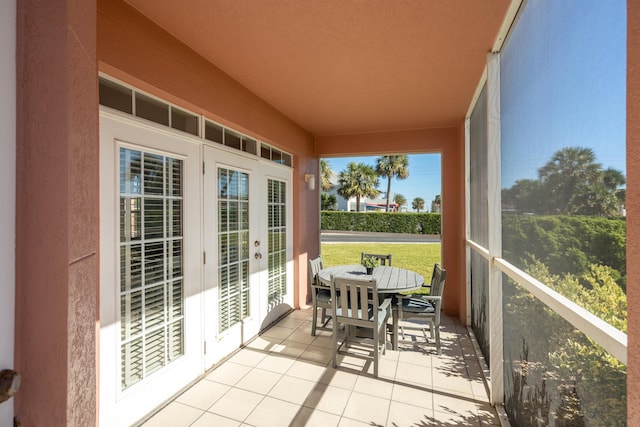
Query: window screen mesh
563, 150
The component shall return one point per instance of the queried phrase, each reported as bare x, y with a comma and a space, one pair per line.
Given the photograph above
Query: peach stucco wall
56, 213
633, 211
135, 50
450, 143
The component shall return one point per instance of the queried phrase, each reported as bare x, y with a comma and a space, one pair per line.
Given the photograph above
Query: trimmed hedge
383, 222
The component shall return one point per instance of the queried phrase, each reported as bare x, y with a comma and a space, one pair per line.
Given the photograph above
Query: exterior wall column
56, 213
633, 212
452, 226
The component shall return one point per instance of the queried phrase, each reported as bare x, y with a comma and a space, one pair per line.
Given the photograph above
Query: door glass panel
276, 231
233, 250
151, 263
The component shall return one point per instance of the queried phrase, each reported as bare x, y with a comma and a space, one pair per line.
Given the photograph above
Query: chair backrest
351, 301
314, 267
437, 280
385, 259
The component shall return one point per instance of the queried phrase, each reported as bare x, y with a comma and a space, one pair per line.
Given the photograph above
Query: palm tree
436, 204
417, 204
613, 180
325, 175
524, 196
571, 183
390, 167
328, 202
358, 180
602, 198
566, 179
400, 200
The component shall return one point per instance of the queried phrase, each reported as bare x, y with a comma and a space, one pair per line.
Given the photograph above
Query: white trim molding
480, 250
467, 213
494, 207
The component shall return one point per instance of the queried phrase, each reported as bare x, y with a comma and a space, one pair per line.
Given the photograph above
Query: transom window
131, 101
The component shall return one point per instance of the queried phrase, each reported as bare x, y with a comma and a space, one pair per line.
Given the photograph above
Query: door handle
257, 255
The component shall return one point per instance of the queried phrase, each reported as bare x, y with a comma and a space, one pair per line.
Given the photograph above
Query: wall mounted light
310, 180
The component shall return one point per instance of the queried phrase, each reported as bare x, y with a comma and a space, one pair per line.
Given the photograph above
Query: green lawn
417, 257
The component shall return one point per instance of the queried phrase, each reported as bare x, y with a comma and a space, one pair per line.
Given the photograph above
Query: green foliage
559, 376
570, 183
325, 175
404, 222
596, 291
392, 167
418, 204
400, 199
436, 204
525, 196
589, 381
358, 180
555, 375
567, 244
369, 262
328, 201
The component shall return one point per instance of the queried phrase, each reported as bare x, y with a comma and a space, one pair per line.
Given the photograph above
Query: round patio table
389, 280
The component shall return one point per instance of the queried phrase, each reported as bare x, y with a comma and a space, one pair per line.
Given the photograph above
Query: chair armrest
436, 300
421, 296
400, 297
385, 304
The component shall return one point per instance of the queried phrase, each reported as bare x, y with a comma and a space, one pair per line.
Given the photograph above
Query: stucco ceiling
344, 66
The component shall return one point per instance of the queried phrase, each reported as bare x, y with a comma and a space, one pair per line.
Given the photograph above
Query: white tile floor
285, 378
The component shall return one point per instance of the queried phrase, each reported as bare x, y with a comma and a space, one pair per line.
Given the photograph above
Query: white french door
192, 264
248, 278
150, 268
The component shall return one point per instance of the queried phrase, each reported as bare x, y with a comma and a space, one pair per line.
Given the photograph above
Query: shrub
567, 244
385, 222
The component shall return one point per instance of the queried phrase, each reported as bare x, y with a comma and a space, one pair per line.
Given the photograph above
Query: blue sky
424, 176
563, 84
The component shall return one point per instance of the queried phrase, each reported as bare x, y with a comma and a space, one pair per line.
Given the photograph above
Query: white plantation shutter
277, 233
233, 250
151, 263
